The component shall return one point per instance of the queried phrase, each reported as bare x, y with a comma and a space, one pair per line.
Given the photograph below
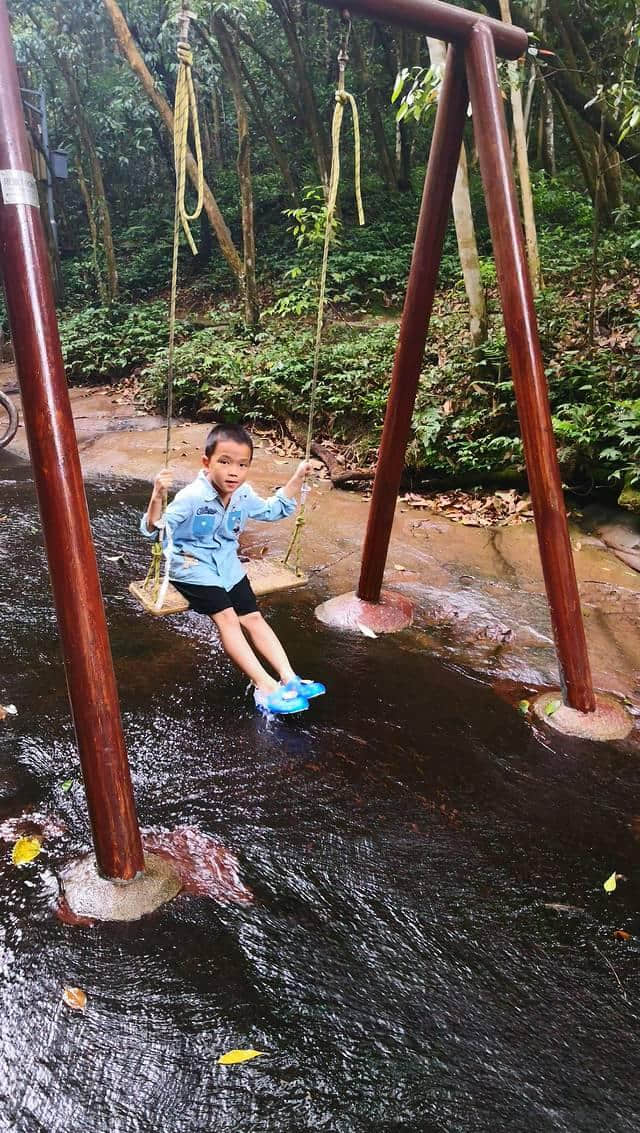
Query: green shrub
270, 376
108, 342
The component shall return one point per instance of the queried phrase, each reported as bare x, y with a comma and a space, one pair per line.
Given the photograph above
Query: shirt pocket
234, 522
203, 526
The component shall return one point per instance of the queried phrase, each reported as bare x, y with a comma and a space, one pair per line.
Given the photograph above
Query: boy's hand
303, 469
295, 484
162, 482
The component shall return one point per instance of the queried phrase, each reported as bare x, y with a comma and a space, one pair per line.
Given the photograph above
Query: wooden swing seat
265, 576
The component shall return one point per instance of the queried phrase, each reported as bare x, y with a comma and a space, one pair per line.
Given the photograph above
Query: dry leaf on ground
75, 998
476, 509
25, 850
232, 1057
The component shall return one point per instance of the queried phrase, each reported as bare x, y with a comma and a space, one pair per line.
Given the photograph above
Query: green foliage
109, 342
418, 89
368, 266
310, 218
271, 376
465, 421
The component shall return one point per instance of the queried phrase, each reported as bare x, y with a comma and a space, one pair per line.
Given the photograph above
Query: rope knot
185, 54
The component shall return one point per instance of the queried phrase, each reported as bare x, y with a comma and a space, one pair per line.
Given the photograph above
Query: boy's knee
252, 621
226, 619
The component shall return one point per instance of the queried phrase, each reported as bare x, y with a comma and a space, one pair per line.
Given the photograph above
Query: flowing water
430, 946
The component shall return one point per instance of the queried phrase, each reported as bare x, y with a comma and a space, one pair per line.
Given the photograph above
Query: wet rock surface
429, 945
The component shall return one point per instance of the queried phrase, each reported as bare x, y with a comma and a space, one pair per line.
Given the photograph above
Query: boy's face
228, 466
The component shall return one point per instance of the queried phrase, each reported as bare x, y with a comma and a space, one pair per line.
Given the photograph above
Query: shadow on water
402, 964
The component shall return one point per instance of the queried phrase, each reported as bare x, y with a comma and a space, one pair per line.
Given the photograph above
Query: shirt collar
208, 486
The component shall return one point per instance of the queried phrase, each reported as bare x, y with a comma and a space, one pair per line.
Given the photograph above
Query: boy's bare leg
238, 649
267, 644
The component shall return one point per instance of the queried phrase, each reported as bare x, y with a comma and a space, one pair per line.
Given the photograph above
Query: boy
199, 532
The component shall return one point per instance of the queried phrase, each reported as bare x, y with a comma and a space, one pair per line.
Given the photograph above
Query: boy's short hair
223, 432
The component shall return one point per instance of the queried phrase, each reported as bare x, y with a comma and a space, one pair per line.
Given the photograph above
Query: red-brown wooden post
421, 287
528, 371
58, 477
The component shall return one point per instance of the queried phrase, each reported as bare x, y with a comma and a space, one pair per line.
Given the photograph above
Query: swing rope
185, 112
343, 98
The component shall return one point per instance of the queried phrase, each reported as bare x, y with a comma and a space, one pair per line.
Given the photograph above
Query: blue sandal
281, 702
306, 689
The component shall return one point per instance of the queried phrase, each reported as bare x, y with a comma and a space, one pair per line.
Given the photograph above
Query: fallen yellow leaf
75, 998
620, 934
25, 850
610, 883
552, 706
234, 1056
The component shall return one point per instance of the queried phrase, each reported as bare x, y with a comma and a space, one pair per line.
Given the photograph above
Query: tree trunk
613, 178
205, 244
596, 235
385, 159
313, 122
205, 133
99, 194
231, 64
218, 147
581, 154
131, 53
389, 51
279, 72
93, 233
262, 118
549, 144
531, 87
523, 165
103, 209
403, 132
465, 230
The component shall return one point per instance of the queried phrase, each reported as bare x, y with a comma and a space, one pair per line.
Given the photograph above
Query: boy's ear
205, 460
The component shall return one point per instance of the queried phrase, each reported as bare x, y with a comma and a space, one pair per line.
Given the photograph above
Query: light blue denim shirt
202, 535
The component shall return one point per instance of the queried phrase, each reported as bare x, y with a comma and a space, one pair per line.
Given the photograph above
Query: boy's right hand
162, 482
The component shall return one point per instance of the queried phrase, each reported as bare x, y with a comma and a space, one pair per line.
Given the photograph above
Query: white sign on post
18, 188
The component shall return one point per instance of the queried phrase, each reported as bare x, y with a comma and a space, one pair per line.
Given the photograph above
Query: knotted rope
343, 98
185, 112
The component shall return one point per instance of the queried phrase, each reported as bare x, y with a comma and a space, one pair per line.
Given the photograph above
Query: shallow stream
430, 947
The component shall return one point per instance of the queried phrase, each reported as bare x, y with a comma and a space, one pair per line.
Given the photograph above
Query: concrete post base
390, 615
610, 721
91, 897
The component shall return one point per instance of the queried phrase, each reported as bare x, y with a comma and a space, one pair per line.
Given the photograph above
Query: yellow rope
186, 108
343, 98
185, 111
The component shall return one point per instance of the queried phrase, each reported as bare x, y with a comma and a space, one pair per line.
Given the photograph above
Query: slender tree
465, 229
526, 194
232, 67
134, 58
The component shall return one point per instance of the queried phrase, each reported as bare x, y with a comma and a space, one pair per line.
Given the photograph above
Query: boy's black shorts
214, 599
